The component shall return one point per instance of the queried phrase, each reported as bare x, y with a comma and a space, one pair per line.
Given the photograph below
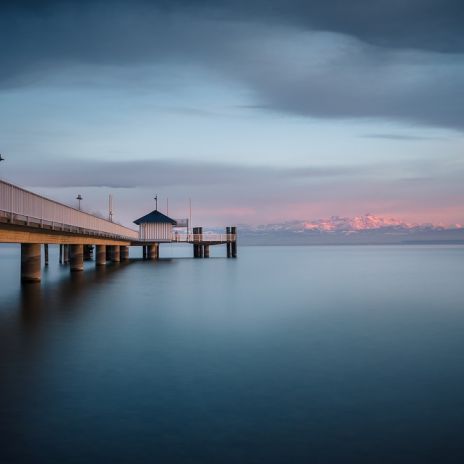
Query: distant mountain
367, 229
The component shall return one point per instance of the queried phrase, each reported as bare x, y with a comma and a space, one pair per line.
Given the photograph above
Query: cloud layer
340, 98
256, 194
398, 61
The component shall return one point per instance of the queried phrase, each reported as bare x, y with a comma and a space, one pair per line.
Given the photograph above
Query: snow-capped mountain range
368, 228
345, 224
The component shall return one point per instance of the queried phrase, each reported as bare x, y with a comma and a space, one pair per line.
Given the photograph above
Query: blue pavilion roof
155, 217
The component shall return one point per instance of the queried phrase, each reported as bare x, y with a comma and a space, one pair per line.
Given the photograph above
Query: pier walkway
33, 220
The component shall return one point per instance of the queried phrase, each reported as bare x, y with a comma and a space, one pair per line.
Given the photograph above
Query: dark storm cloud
423, 24
397, 60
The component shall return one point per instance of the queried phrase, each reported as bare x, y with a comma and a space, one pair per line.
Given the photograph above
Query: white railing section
205, 237
190, 238
17, 203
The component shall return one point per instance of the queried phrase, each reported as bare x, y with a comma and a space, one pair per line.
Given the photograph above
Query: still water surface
284, 355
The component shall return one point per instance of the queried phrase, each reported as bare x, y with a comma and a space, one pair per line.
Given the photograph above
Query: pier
35, 222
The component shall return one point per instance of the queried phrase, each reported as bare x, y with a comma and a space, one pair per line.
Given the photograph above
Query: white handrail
204, 237
18, 203
192, 238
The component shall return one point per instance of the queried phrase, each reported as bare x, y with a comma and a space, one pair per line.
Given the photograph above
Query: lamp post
79, 198
156, 202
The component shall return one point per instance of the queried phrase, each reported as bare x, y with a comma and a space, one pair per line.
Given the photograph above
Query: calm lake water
284, 355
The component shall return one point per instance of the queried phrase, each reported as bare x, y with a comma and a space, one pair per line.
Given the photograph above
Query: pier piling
124, 252
228, 243
153, 251
77, 258
88, 252
197, 239
30, 262
233, 231
100, 255
115, 254
66, 254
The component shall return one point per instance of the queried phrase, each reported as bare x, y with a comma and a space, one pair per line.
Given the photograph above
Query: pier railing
20, 205
204, 237
194, 238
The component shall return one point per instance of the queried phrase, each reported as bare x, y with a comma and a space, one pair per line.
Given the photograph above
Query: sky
260, 111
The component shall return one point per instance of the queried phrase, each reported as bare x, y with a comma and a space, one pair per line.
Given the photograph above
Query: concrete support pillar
233, 230
195, 246
30, 262
100, 255
65, 254
153, 251
115, 254
228, 243
205, 251
197, 239
61, 254
77, 257
88, 252
46, 253
124, 253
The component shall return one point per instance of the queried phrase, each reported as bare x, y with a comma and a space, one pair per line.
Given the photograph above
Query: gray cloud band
289, 67
165, 173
